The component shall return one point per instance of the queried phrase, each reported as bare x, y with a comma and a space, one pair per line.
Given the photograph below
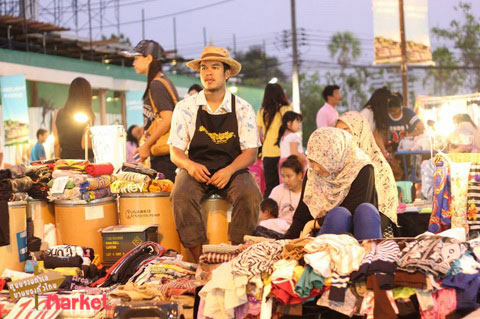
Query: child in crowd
269, 217
134, 133
287, 194
38, 151
289, 142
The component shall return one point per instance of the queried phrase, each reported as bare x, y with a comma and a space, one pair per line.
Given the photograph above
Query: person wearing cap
147, 56
218, 131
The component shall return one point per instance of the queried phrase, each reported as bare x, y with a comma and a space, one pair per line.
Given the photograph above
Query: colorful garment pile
41, 175
139, 168
135, 178
163, 277
217, 254
71, 261
130, 263
14, 180
85, 181
431, 276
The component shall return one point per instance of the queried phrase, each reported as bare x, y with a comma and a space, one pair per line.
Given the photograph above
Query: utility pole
265, 60
75, 15
101, 17
204, 36
403, 46
143, 24
25, 24
90, 29
175, 36
117, 14
295, 84
234, 45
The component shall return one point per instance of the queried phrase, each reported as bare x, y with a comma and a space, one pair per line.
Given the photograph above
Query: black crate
119, 240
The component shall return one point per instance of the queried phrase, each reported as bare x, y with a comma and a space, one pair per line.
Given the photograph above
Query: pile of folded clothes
14, 183
135, 178
78, 263
41, 173
85, 181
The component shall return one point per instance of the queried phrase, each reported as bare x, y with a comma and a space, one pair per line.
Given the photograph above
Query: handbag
160, 147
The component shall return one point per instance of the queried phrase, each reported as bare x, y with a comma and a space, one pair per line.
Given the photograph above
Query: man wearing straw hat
213, 141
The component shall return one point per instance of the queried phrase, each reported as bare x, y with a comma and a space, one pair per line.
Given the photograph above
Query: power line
47, 9
166, 15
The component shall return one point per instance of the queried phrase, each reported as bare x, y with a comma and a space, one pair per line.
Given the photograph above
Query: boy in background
269, 219
38, 151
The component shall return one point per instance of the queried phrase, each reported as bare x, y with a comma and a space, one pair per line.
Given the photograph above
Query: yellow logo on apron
217, 138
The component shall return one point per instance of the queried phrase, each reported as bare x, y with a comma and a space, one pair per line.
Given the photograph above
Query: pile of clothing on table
78, 264
41, 173
146, 277
14, 183
85, 181
430, 276
135, 178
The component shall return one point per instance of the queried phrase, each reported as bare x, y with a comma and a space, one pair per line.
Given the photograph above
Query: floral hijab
385, 185
337, 152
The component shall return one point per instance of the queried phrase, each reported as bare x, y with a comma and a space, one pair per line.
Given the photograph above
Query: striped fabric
216, 258
178, 287
387, 251
133, 177
221, 248
473, 200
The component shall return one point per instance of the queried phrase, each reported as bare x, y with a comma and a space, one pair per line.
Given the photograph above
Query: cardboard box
119, 240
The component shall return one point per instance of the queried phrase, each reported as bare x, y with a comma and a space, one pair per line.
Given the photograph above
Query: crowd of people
207, 142
342, 184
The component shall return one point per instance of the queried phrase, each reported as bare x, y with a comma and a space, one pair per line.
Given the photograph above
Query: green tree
445, 81
345, 48
311, 97
258, 68
465, 34
123, 39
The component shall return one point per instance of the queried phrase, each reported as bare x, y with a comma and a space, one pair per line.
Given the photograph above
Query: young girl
287, 194
289, 142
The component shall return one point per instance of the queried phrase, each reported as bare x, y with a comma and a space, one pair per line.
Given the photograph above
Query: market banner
134, 108
386, 26
14, 109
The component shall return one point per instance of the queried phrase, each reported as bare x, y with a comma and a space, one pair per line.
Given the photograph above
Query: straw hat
216, 54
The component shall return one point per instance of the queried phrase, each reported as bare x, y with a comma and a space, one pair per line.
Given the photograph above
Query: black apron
215, 143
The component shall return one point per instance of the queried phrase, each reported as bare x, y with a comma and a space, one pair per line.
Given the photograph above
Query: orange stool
216, 213
18, 223
151, 209
78, 223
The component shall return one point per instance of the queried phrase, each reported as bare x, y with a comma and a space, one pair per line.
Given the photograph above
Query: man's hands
201, 174
221, 178
198, 171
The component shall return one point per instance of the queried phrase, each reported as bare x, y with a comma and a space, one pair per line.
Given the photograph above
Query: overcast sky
254, 22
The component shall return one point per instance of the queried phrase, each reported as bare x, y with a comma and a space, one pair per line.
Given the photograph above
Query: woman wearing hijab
387, 193
339, 188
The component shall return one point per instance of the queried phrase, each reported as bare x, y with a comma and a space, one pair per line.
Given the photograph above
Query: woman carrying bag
269, 119
159, 101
